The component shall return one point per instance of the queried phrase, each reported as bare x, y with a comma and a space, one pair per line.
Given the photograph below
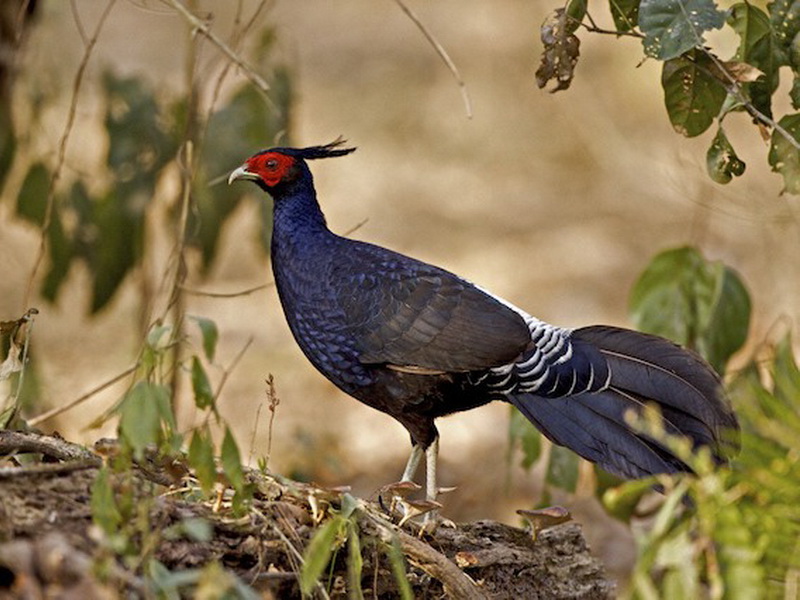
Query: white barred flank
551, 346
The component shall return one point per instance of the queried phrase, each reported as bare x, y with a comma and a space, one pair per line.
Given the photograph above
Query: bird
418, 342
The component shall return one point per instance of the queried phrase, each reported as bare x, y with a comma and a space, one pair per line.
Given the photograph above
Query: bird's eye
272, 164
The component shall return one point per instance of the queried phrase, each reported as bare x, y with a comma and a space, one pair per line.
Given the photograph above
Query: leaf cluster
701, 88
108, 230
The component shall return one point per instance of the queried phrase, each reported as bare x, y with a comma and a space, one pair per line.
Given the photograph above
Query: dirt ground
50, 546
555, 202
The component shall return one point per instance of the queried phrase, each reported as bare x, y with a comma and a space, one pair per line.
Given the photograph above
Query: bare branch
13, 442
442, 54
434, 563
735, 90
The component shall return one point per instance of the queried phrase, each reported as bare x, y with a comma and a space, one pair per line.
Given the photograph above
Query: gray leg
413, 463
431, 454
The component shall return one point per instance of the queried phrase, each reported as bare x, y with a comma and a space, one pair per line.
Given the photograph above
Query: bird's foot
407, 509
432, 521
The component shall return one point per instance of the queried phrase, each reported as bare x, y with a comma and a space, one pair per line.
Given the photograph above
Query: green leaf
355, 563
738, 553
625, 14
197, 529
139, 146
32, 197
621, 500
784, 157
785, 21
786, 380
139, 138
758, 47
210, 333
697, 303
794, 93
398, 562
156, 336
201, 459
112, 255
562, 470
203, 394
522, 432
140, 423
60, 247
673, 27
319, 551
727, 320
231, 461
692, 95
349, 505
105, 513
8, 142
575, 11
721, 160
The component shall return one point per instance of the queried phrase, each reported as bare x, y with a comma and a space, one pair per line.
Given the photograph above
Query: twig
457, 583
203, 28
258, 288
246, 292
62, 148
25, 442
442, 54
594, 29
356, 227
47, 468
299, 557
238, 35
227, 371
78, 24
735, 89
81, 399
252, 449
274, 401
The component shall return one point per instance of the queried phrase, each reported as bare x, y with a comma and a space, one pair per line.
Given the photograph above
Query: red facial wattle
272, 167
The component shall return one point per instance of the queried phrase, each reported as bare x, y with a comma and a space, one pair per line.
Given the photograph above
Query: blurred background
555, 202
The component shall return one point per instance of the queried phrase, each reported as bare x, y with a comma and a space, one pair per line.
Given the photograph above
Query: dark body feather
418, 342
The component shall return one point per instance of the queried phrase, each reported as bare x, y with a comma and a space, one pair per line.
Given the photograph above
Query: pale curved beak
241, 173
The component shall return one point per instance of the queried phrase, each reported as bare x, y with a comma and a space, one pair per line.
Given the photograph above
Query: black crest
313, 152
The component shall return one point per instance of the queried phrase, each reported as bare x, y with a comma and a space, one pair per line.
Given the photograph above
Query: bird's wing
405, 313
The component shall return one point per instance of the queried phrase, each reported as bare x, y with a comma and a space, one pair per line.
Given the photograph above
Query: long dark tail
644, 369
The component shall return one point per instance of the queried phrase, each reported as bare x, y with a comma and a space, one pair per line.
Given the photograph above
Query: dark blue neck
297, 217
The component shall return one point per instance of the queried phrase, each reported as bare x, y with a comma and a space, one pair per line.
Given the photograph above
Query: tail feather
576, 422
644, 370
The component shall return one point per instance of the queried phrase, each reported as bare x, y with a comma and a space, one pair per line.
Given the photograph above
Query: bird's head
276, 168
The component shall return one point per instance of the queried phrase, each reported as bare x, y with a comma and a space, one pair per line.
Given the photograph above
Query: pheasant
417, 342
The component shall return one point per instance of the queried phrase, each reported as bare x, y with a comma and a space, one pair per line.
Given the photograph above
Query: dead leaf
12, 363
561, 51
545, 518
742, 72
